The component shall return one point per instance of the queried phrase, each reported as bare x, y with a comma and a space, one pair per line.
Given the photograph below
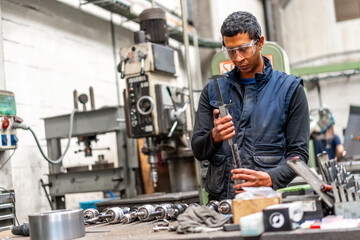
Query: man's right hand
224, 127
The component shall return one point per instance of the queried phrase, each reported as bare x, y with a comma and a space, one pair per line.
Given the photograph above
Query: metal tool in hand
223, 112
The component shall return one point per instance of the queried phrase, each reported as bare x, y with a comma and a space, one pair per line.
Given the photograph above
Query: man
269, 120
330, 143
325, 140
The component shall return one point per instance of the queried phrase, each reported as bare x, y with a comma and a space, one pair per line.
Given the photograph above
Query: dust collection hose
57, 161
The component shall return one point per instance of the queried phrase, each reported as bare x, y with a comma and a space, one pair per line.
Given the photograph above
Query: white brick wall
50, 49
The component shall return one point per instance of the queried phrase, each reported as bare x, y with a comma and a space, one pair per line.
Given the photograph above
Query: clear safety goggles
246, 50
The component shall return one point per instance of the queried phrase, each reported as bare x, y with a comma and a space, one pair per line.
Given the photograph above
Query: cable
7, 159
57, 161
13, 196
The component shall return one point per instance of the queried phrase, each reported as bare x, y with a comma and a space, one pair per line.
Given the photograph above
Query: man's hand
224, 127
252, 178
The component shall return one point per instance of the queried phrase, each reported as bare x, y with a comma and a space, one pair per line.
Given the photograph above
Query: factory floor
142, 230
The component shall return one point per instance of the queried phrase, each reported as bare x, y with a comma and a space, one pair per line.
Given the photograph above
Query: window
347, 9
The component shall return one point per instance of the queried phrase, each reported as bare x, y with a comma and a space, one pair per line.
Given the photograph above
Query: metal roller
194, 205
127, 218
57, 225
130, 216
225, 206
115, 214
145, 213
213, 205
162, 211
91, 215
177, 209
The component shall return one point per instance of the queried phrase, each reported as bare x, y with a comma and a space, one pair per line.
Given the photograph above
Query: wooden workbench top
143, 230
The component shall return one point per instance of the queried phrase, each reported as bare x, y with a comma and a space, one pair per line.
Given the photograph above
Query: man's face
248, 64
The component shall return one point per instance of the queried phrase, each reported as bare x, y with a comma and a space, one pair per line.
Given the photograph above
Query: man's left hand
251, 178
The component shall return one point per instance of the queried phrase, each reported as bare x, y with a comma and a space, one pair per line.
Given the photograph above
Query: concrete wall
312, 37
50, 49
221, 9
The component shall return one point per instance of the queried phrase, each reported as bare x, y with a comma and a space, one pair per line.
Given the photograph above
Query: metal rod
43, 185
199, 78
76, 100
92, 98
113, 42
188, 76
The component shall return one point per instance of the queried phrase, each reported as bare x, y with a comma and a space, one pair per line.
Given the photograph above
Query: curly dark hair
241, 22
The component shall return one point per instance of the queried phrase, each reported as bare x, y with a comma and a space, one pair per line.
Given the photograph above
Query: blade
221, 101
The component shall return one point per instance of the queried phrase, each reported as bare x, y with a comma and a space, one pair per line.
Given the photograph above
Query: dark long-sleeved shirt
296, 132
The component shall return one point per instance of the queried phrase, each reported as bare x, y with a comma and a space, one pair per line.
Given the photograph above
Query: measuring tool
223, 112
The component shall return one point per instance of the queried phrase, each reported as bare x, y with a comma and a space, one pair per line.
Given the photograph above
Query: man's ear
261, 41
223, 43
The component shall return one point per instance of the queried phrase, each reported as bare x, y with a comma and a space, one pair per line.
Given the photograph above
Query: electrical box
8, 136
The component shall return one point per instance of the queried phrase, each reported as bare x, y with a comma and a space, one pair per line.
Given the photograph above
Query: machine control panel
140, 106
150, 109
8, 134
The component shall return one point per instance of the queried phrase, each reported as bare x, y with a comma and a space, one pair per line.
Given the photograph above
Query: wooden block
145, 169
241, 208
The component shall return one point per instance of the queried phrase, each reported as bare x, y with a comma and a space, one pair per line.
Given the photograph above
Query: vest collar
266, 75
260, 78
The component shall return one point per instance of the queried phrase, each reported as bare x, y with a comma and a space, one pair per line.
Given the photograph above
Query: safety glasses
246, 50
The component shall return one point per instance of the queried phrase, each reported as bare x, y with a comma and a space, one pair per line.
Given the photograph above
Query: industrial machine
7, 210
156, 101
352, 134
102, 176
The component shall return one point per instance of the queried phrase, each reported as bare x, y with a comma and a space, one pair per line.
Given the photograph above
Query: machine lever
172, 99
171, 132
176, 115
142, 56
117, 179
43, 185
121, 66
176, 112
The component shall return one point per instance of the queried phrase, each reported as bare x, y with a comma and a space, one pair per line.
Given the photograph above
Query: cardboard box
241, 208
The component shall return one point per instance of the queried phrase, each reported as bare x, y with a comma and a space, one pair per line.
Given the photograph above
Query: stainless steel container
57, 225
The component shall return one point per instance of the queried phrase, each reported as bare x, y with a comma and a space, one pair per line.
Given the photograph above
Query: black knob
83, 98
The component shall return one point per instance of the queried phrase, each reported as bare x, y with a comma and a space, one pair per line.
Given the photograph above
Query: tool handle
223, 111
236, 155
325, 187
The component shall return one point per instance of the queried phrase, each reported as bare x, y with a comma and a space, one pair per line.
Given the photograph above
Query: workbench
143, 230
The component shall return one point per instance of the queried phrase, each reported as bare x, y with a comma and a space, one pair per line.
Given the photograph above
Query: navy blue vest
259, 117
